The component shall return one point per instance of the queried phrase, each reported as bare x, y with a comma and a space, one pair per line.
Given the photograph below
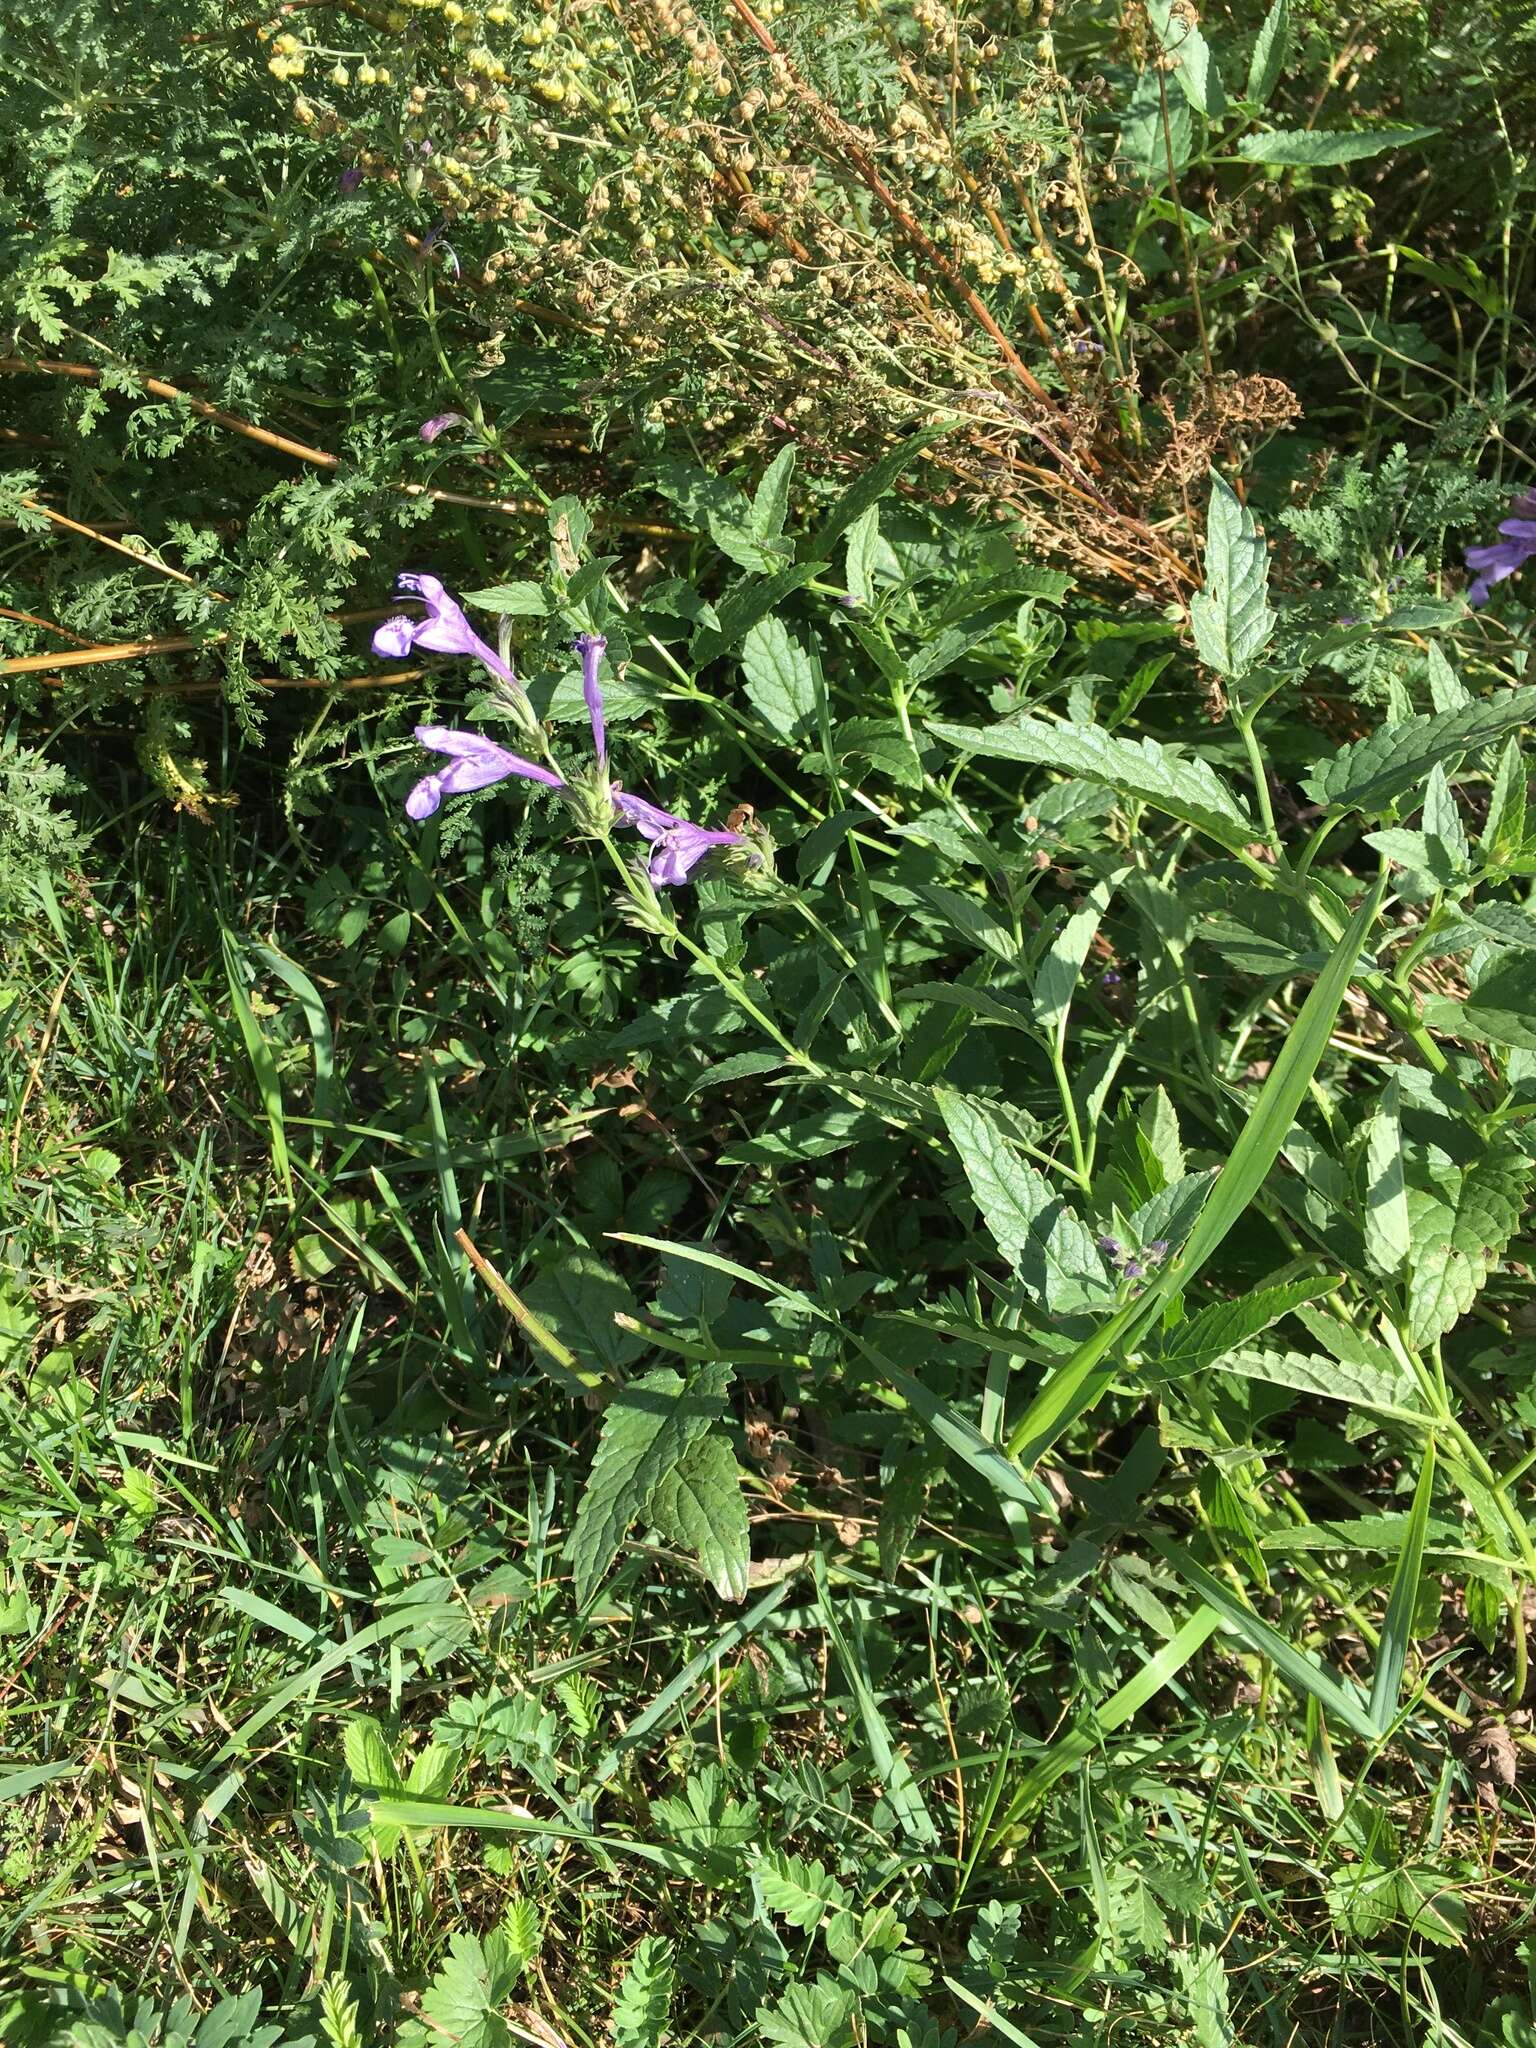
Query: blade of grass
263, 1065
1308, 1674
1397, 1629
1084, 1377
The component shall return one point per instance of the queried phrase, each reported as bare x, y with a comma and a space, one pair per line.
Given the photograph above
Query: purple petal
1520, 530
396, 636
350, 179
445, 630
424, 798
679, 852
439, 423
1478, 594
592, 647
648, 819
477, 761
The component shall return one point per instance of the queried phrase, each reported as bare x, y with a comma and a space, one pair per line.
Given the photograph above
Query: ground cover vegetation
765, 1254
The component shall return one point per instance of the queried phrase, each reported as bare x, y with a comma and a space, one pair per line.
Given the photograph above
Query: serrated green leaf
1367, 774
1058, 974
1158, 1123
510, 600
957, 640
1442, 827
800, 1891
1231, 617
863, 546
869, 490
366, 1752
521, 1933
740, 544
650, 1426
1504, 831
1358, 1386
770, 502
577, 1297
1502, 1006
644, 2000
1181, 786
1046, 1242
1208, 1336
699, 1506
1195, 67
1296, 146
1386, 1191
1455, 1243
780, 677
1270, 49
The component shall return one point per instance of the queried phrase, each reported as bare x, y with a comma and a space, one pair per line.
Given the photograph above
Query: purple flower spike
439, 423
444, 630
474, 763
592, 647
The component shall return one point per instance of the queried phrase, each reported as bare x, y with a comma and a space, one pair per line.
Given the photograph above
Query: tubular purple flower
474, 763
592, 647
678, 847
439, 423
1504, 557
444, 630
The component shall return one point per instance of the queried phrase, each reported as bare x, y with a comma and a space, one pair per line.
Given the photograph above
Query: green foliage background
924, 1441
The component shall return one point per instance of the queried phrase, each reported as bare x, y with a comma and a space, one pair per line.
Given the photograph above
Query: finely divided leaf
1231, 617
1179, 785
644, 2001
800, 1891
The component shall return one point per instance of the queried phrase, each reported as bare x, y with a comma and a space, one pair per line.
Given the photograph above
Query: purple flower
1502, 558
474, 763
439, 423
676, 846
444, 630
1133, 1269
1111, 1247
592, 647
350, 179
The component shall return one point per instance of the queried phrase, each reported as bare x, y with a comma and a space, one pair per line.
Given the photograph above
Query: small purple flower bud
350, 179
439, 423
1109, 978
1157, 1250
1111, 1247
1133, 1269
592, 647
